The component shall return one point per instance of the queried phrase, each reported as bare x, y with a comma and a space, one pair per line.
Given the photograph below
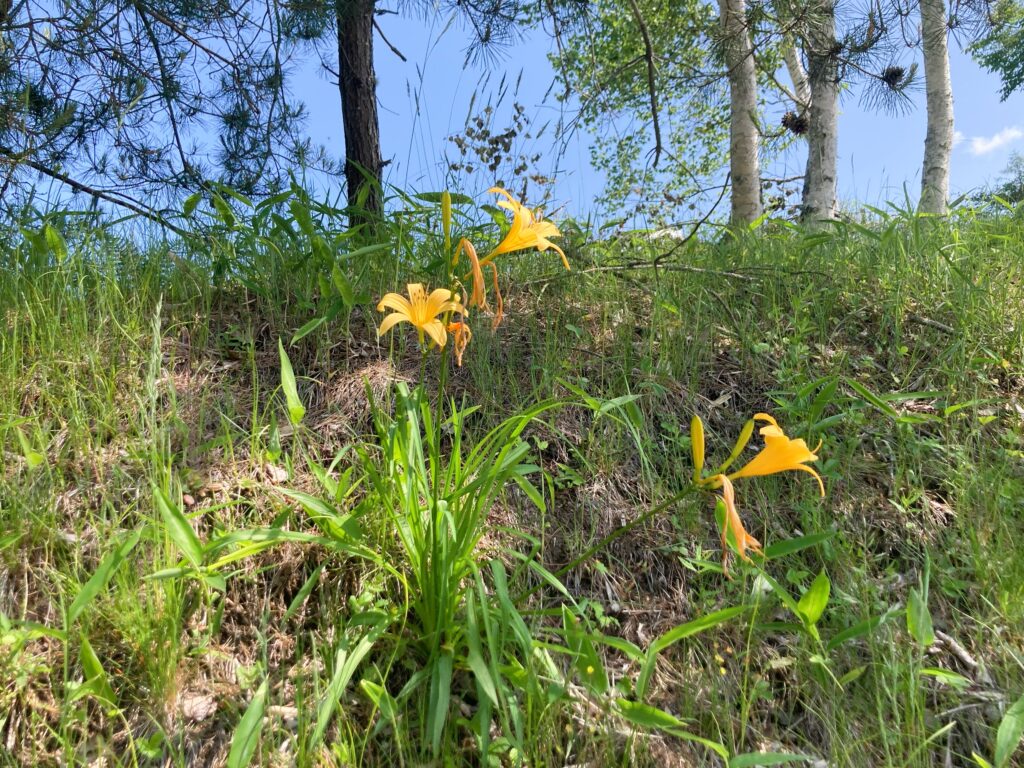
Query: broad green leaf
872, 398
32, 457
303, 593
675, 635
366, 250
179, 528
340, 526
300, 212
1008, 736
93, 672
860, 629
647, 716
853, 674
308, 328
189, 206
343, 286
690, 628
751, 759
435, 197
790, 546
381, 699
273, 451
652, 718
56, 243
321, 250
440, 697
235, 195
919, 619
247, 735
99, 580
812, 603
949, 678
346, 661
295, 408
475, 657
223, 210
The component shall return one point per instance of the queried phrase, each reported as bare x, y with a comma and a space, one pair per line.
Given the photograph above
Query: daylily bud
741, 443
697, 446
446, 219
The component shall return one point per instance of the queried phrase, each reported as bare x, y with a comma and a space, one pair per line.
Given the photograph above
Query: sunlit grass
133, 373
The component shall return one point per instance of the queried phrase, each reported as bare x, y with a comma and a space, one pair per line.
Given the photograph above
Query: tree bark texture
744, 136
358, 86
797, 73
819, 196
938, 143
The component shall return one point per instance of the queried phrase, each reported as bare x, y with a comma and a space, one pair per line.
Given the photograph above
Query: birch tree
938, 144
822, 49
744, 136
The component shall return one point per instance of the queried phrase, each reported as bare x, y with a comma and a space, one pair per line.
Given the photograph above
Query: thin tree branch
651, 72
116, 198
387, 42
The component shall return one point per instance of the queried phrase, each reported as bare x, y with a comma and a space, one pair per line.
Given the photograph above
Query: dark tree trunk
358, 86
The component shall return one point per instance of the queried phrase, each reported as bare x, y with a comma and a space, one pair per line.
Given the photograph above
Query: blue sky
426, 99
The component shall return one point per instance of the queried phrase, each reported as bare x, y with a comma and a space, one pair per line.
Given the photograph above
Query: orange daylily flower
734, 524
528, 230
780, 454
421, 310
461, 336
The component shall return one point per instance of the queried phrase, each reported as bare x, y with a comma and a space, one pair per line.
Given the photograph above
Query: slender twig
387, 42
651, 85
667, 268
931, 323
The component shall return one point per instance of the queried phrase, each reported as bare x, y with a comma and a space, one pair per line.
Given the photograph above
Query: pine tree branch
116, 198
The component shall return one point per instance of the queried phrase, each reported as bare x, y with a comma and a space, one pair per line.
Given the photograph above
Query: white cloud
958, 138
982, 145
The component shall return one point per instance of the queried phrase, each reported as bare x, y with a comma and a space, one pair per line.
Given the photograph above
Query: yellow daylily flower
528, 230
421, 310
461, 336
780, 454
734, 524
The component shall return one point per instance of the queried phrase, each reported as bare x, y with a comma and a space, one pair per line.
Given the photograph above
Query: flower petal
500, 312
811, 471
565, 261
396, 302
734, 525
390, 321
435, 303
435, 329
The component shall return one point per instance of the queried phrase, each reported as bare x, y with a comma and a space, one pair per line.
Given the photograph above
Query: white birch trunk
819, 198
744, 136
938, 143
797, 73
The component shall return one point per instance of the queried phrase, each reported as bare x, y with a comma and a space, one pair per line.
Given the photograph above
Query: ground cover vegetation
286, 492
